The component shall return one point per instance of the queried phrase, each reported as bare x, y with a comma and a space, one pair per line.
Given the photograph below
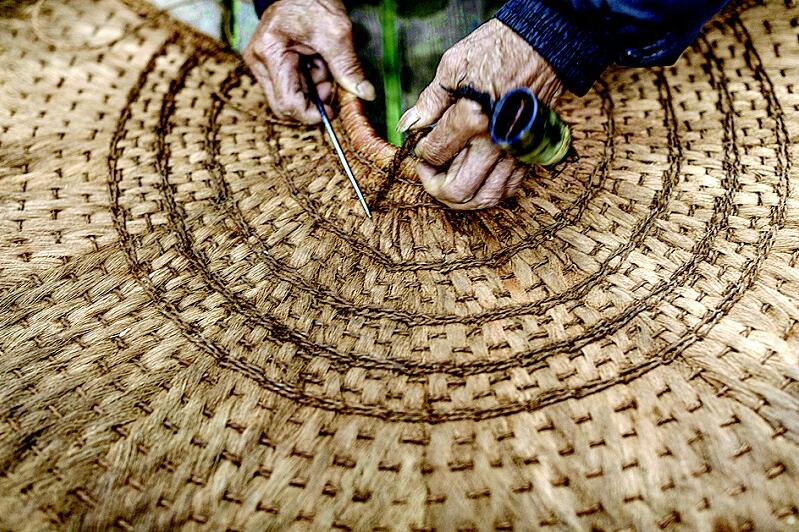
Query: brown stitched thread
700, 247
408, 318
658, 205
497, 259
149, 466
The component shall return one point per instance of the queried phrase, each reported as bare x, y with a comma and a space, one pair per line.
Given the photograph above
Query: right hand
290, 29
459, 165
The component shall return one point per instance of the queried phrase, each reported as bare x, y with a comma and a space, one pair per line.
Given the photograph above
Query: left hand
461, 167
291, 31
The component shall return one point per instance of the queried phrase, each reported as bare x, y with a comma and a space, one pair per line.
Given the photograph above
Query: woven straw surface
199, 327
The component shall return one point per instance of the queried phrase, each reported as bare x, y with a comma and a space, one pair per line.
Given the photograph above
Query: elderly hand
461, 167
290, 29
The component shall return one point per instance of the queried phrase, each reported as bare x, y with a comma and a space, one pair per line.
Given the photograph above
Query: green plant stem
391, 69
230, 23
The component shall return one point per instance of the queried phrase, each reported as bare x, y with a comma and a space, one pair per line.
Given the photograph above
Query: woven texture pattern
198, 326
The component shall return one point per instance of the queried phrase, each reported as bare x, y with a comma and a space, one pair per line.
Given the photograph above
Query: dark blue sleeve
261, 5
581, 38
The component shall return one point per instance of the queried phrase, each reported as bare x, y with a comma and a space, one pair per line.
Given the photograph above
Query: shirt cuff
577, 54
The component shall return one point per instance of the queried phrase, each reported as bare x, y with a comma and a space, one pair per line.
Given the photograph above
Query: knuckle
438, 158
280, 108
266, 48
448, 57
489, 198
442, 74
276, 111
511, 190
347, 64
472, 117
344, 30
449, 63
249, 55
340, 33
433, 151
455, 192
443, 70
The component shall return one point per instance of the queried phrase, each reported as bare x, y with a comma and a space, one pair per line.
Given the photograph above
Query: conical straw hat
199, 327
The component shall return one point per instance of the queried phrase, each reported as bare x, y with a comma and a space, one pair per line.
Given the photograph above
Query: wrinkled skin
460, 166
317, 29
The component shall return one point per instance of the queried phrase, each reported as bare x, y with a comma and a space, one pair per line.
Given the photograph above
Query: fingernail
408, 120
366, 91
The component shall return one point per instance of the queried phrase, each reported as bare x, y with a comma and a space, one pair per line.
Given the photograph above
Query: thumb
432, 103
346, 70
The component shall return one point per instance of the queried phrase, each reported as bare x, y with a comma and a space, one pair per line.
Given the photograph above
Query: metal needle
306, 71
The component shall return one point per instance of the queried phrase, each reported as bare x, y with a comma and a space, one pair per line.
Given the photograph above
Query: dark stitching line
766, 239
284, 331
670, 178
247, 368
659, 202
335, 300
199, 263
248, 313
496, 259
585, 286
279, 332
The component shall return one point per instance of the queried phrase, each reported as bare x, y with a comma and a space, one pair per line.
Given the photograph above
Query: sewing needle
306, 71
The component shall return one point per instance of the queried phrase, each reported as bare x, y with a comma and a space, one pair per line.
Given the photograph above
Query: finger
321, 78
262, 76
493, 190
435, 98
344, 66
289, 89
304, 111
319, 71
282, 66
432, 103
457, 126
468, 171
515, 181
325, 91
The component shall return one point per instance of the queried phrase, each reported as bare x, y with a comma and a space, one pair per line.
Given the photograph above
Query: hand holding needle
314, 95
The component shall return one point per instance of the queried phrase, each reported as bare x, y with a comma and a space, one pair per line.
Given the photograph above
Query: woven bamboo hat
199, 328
